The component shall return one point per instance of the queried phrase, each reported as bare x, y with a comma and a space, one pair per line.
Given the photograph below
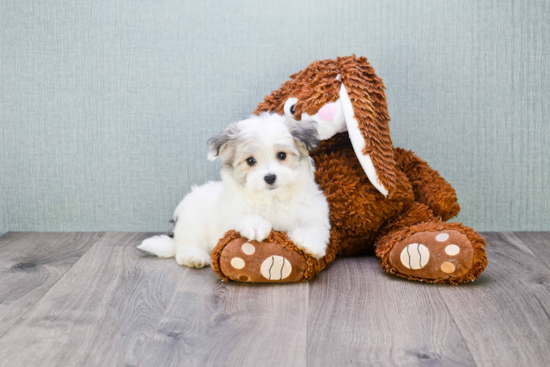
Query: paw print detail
452, 250
433, 255
261, 262
442, 237
448, 267
276, 268
415, 256
248, 248
237, 263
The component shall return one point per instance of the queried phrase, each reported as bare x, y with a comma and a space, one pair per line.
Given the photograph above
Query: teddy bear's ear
365, 111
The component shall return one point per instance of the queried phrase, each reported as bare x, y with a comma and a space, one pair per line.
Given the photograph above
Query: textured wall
106, 105
3, 124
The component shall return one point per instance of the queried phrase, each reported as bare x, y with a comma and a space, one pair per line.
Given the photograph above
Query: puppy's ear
223, 144
305, 133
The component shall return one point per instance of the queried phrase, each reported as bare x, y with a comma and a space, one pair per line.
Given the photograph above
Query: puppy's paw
194, 257
309, 242
254, 227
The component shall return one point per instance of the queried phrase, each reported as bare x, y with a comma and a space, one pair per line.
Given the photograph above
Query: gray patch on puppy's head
223, 144
305, 132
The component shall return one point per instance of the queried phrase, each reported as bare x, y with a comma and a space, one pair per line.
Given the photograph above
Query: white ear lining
358, 142
213, 154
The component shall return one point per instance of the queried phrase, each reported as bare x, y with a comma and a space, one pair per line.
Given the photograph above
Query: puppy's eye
293, 109
281, 156
251, 161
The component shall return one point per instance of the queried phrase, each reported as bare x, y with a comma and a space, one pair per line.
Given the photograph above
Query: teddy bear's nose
270, 178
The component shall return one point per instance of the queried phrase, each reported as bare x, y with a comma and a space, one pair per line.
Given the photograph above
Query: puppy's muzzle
270, 178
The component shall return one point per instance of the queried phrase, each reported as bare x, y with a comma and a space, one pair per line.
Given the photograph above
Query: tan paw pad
248, 248
452, 250
415, 256
447, 267
442, 237
237, 263
276, 268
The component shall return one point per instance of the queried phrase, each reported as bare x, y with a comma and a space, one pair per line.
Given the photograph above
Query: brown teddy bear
382, 199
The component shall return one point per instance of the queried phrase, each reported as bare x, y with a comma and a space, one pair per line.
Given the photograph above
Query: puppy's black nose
270, 179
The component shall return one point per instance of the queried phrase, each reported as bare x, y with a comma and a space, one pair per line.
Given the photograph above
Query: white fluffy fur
244, 201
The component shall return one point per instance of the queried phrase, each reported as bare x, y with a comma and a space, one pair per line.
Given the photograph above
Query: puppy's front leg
312, 239
253, 227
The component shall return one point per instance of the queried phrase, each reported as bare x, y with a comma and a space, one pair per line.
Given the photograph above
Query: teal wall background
106, 105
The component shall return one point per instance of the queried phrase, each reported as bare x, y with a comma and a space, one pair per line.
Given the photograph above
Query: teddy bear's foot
274, 260
434, 252
260, 262
433, 255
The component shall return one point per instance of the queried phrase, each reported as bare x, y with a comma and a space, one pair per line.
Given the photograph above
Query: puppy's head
266, 155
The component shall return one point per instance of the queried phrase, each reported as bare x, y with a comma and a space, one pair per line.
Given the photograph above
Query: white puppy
267, 183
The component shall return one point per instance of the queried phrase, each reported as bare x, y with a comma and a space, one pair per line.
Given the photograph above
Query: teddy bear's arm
428, 185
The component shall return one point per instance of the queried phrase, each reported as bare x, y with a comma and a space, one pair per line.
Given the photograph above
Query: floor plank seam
101, 234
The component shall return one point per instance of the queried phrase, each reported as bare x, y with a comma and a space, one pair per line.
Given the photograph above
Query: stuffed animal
383, 200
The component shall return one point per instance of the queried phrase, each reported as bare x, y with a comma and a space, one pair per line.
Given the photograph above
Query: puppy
267, 183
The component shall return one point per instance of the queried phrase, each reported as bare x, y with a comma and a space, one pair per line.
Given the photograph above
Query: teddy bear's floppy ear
365, 111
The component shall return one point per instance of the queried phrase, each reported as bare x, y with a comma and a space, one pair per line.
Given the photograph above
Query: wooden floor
93, 299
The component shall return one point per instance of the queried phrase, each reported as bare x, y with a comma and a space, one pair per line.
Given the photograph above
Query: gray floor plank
103, 311
213, 323
30, 264
505, 315
539, 243
76, 302
358, 315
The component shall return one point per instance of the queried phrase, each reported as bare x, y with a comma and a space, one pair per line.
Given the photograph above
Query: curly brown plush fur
419, 200
428, 186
